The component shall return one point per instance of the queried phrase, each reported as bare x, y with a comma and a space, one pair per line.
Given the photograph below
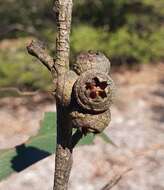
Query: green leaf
37, 148
107, 139
5, 163
86, 140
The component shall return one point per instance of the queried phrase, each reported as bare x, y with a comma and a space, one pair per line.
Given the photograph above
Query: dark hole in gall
96, 88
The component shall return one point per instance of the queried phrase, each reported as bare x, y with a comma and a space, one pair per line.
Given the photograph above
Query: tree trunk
63, 161
83, 94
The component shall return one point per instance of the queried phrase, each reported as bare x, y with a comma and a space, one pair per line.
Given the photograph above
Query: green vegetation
37, 148
126, 31
19, 69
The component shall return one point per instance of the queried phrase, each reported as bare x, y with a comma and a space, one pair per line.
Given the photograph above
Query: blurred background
131, 34
128, 32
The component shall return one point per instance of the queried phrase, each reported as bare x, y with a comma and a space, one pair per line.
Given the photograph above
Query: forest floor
137, 129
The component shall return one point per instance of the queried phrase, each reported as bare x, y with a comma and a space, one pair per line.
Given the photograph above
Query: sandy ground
137, 128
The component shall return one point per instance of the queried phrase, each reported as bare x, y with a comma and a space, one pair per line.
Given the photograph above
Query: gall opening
96, 88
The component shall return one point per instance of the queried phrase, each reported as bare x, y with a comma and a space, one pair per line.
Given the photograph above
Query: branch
37, 50
4, 30
63, 10
16, 92
114, 181
63, 160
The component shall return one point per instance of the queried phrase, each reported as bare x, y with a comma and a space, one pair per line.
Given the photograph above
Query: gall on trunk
87, 92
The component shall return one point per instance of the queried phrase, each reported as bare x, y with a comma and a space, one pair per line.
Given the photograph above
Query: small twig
18, 91
115, 179
4, 30
36, 49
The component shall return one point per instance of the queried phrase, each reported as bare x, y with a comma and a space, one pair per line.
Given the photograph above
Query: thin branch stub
36, 49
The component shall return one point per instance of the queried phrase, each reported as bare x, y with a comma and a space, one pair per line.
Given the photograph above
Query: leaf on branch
35, 149
107, 139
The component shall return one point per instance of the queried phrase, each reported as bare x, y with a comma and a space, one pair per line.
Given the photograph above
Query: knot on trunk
94, 123
87, 94
65, 83
91, 60
93, 91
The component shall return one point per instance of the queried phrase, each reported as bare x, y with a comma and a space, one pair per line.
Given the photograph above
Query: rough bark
83, 97
63, 161
37, 49
63, 10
